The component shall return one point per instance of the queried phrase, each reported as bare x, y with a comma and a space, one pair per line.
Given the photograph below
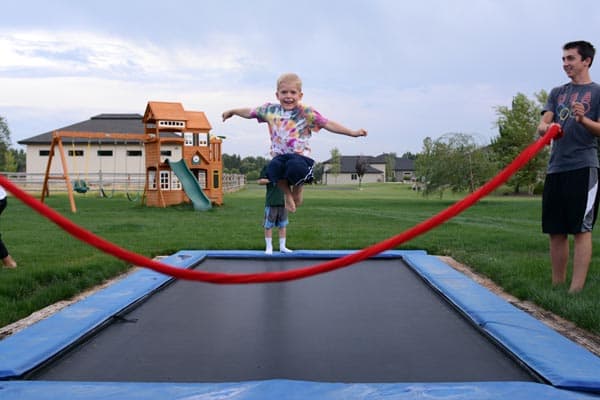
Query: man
570, 198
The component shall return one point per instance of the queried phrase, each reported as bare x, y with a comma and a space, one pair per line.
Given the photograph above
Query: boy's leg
268, 241
297, 194
290, 204
299, 170
282, 239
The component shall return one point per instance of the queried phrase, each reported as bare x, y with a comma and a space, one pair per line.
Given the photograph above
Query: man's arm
545, 122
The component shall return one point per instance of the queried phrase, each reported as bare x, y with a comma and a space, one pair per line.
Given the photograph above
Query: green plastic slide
191, 186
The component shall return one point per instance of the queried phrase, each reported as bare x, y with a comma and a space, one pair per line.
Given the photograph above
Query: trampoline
400, 325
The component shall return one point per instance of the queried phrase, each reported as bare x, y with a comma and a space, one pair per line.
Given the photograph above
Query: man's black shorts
570, 201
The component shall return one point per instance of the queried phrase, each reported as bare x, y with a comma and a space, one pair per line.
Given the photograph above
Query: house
404, 168
106, 156
375, 172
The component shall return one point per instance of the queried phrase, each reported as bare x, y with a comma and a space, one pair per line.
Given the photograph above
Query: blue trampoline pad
383, 327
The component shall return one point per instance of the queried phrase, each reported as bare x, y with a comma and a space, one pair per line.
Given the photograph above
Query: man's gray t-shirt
577, 148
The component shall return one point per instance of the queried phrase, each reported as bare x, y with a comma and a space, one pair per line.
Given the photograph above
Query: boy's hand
226, 115
360, 132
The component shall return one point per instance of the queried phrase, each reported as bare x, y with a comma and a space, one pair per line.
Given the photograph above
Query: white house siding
342, 179
89, 162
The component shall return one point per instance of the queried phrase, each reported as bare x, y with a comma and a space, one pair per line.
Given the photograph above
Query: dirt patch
566, 328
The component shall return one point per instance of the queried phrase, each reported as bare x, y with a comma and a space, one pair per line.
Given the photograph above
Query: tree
5, 146
336, 162
361, 167
390, 167
20, 160
453, 162
231, 163
318, 172
517, 127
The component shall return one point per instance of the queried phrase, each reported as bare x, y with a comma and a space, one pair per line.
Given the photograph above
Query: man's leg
582, 255
559, 257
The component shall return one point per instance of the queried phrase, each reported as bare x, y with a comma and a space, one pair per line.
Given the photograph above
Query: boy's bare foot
9, 262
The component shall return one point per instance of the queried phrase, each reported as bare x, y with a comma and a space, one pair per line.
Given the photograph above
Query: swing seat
80, 186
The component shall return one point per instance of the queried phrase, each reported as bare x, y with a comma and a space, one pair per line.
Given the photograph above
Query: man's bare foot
9, 262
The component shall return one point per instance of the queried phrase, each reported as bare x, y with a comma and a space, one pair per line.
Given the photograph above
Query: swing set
80, 185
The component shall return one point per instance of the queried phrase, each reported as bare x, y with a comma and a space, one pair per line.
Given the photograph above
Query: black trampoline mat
376, 321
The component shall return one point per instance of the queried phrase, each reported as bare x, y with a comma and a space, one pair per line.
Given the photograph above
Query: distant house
403, 170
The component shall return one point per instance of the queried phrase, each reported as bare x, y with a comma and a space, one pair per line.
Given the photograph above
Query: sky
402, 70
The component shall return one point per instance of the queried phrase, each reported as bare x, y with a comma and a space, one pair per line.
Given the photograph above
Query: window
134, 153
152, 179
175, 182
202, 178
75, 153
165, 181
354, 177
105, 153
216, 179
188, 138
166, 153
44, 153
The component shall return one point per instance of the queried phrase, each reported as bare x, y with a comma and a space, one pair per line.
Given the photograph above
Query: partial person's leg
297, 194
290, 204
282, 239
582, 255
268, 241
7, 260
559, 257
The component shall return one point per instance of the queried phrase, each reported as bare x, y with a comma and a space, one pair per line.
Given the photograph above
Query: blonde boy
290, 126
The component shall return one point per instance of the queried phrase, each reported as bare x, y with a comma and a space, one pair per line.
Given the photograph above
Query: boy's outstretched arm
240, 112
335, 127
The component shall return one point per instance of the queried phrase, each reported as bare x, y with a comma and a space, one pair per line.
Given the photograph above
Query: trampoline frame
570, 370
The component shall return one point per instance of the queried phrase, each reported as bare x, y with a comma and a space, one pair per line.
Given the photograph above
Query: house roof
162, 110
105, 123
109, 123
402, 163
197, 120
348, 163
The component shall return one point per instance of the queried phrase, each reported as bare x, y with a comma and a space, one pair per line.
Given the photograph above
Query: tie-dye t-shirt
290, 130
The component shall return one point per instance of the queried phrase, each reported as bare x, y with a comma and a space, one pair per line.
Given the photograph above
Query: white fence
113, 182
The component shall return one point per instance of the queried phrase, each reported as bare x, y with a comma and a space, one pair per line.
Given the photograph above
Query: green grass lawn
499, 237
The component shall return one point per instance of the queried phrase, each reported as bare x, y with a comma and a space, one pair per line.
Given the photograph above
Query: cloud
42, 53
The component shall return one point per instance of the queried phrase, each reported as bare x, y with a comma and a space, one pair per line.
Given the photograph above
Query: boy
275, 214
290, 126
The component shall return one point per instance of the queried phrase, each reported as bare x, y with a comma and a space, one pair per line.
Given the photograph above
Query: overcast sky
402, 70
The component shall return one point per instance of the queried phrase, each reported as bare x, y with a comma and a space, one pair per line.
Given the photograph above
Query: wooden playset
190, 171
